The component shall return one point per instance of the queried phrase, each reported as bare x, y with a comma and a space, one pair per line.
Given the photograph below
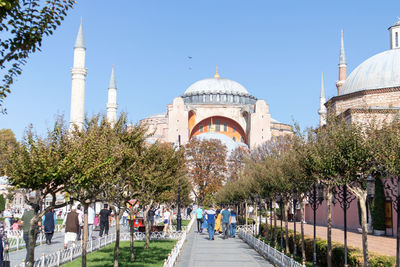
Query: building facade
370, 93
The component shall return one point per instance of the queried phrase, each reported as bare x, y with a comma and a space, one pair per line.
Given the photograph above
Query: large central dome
379, 71
216, 86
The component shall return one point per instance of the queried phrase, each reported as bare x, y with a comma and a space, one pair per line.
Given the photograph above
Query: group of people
222, 221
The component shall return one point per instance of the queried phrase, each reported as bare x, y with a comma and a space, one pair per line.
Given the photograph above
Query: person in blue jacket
49, 222
210, 216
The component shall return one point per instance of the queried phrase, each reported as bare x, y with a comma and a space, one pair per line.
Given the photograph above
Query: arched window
234, 139
397, 39
225, 127
218, 126
201, 128
234, 128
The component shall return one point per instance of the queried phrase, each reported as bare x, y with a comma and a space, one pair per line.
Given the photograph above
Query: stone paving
384, 245
198, 251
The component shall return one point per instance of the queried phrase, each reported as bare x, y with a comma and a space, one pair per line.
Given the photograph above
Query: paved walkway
384, 245
57, 242
198, 251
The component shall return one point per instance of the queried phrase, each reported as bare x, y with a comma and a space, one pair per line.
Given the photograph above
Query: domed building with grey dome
372, 90
216, 108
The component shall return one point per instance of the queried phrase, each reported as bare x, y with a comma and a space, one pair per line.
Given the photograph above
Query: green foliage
155, 256
378, 206
355, 256
2, 203
24, 24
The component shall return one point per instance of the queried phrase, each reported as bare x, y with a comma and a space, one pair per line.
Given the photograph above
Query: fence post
18, 238
42, 261
71, 249
23, 263
58, 257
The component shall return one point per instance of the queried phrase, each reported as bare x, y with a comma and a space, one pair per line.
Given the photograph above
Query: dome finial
216, 72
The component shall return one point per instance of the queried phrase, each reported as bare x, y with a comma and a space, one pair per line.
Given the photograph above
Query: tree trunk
303, 245
362, 198
285, 210
132, 235
147, 225
32, 239
275, 231
85, 233
329, 230
266, 221
246, 212
118, 216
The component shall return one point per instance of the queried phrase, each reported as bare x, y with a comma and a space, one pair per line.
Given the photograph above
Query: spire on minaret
342, 56
80, 39
79, 72
216, 72
342, 65
322, 109
112, 99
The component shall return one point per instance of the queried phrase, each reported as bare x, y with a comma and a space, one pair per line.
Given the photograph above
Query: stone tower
112, 100
394, 35
342, 65
322, 109
78, 71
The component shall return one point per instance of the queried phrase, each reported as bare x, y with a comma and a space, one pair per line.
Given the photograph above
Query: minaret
112, 100
342, 65
322, 109
394, 35
78, 82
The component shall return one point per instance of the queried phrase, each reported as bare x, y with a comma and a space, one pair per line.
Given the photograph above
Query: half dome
379, 71
216, 86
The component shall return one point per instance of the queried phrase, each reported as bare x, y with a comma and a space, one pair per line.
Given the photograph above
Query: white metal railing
173, 256
247, 228
277, 257
66, 255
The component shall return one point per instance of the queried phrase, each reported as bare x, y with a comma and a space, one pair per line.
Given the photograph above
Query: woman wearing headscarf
49, 223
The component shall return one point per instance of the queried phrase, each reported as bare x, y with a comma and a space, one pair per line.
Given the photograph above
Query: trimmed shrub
355, 255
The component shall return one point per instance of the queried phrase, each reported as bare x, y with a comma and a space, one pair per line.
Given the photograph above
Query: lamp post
294, 220
178, 215
344, 200
279, 199
316, 197
392, 186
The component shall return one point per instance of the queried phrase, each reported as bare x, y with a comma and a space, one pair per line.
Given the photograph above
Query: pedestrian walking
125, 216
71, 223
218, 221
105, 214
226, 217
199, 217
91, 216
232, 224
189, 212
3, 242
167, 220
81, 215
26, 220
150, 216
49, 222
210, 217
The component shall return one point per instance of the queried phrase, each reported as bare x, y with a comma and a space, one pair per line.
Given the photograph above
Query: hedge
355, 255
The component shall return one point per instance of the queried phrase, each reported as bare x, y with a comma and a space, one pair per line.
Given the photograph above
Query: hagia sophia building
221, 108
215, 107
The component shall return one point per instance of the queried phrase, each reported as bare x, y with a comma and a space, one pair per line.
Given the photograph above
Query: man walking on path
72, 223
210, 216
199, 216
226, 217
91, 216
49, 222
104, 223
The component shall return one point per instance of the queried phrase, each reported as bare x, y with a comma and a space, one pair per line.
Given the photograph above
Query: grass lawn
154, 256
184, 222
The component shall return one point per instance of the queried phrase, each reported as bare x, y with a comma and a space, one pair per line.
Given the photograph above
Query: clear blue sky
276, 49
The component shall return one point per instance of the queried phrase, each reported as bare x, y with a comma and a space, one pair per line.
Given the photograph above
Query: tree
24, 24
41, 166
206, 165
7, 143
236, 162
2, 203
